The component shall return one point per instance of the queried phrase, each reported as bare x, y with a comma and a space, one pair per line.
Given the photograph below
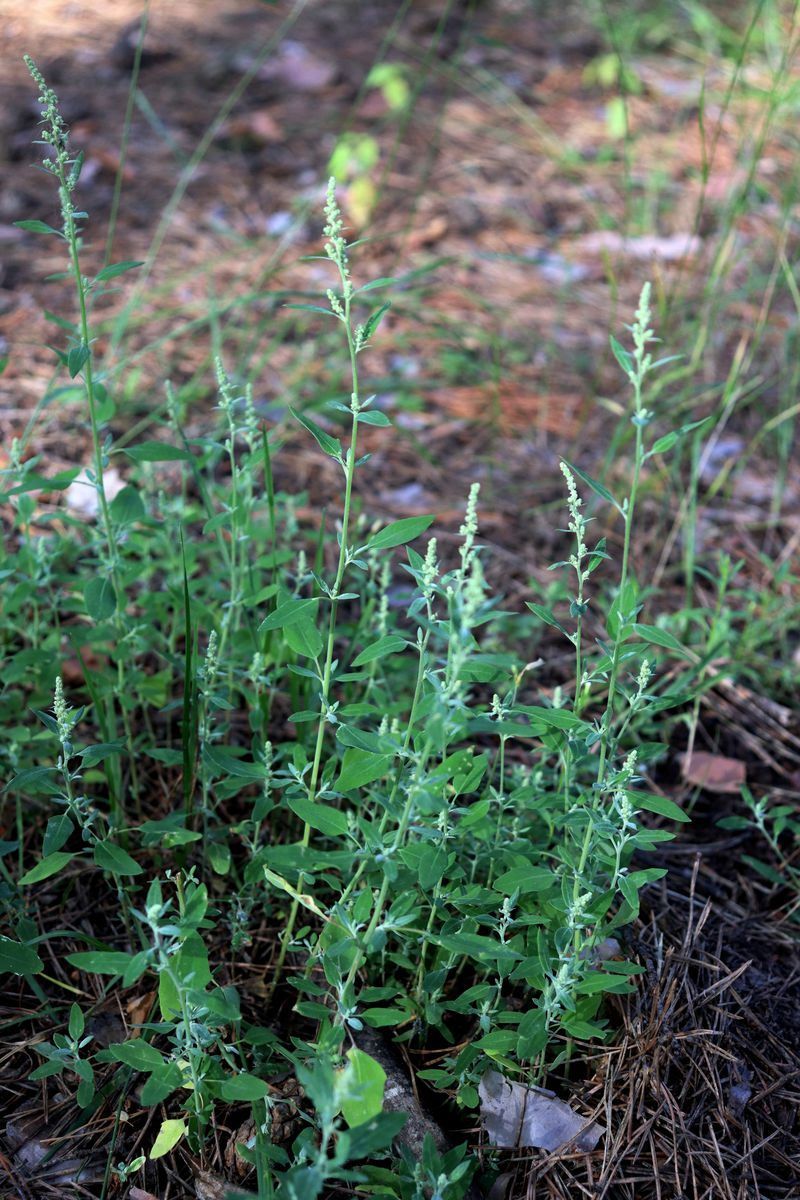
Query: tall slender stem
337, 251
616, 653
66, 171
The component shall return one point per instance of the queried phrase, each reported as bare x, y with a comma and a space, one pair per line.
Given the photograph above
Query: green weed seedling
422, 842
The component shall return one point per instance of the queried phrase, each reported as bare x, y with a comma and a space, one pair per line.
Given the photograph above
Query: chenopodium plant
471, 880
203, 1046
106, 588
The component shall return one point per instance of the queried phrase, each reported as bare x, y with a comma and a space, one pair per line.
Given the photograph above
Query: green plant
778, 825
440, 849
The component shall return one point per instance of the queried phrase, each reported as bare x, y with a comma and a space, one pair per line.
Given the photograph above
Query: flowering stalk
637, 366
336, 250
66, 170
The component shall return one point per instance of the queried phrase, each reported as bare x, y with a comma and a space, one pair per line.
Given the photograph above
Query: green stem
362, 866
331, 641
71, 233
615, 658
380, 900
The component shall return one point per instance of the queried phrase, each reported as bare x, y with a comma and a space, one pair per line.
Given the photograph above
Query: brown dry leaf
258, 127
516, 1116
73, 670
137, 1193
213, 1187
140, 1007
429, 234
244, 1136
107, 161
714, 772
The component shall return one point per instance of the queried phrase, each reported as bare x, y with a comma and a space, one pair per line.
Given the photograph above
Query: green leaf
622, 356
169, 1135
226, 763
115, 269
101, 962
662, 444
77, 1023
373, 321
38, 780
17, 959
476, 945
220, 1002
391, 644
582, 1029
665, 443
136, 968
557, 718
327, 820
160, 1085
110, 857
657, 804
623, 611
360, 767
33, 482
156, 452
53, 1067
219, 855
597, 487
138, 1054
376, 1134
38, 227
244, 1087
362, 1082
77, 358
603, 981
190, 965
318, 308
544, 614
330, 445
524, 880
222, 520
304, 638
384, 281
291, 612
374, 418
432, 866
59, 830
497, 1041
127, 507
399, 532
92, 755
532, 1034
100, 598
660, 637
379, 1018
46, 867
362, 739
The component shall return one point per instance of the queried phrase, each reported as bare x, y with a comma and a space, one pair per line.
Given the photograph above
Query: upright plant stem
335, 592
615, 657
71, 235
